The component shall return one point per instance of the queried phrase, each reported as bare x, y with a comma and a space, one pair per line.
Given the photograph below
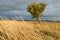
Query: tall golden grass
29, 30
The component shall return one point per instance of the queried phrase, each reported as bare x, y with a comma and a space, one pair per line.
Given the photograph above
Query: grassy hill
29, 30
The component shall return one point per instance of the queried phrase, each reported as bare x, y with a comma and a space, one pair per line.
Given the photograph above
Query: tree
37, 10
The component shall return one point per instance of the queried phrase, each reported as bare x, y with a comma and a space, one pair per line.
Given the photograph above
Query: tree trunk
38, 20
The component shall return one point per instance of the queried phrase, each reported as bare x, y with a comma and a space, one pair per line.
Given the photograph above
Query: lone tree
37, 10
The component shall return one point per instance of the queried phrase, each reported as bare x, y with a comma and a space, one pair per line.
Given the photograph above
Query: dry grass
28, 30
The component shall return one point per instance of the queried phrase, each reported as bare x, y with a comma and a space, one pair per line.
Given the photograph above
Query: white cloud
21, 4
53, 6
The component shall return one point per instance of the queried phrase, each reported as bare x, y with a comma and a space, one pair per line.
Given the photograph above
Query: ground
29, 30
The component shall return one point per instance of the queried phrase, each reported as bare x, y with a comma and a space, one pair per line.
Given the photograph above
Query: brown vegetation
29, 30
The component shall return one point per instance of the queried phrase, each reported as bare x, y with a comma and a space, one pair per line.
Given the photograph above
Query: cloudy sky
17, 7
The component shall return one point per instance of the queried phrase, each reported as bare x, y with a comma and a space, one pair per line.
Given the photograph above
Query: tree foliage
36, 10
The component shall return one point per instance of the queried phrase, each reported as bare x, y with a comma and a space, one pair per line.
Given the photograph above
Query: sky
18, 7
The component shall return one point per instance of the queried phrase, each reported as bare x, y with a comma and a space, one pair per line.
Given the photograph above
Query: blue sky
17, 7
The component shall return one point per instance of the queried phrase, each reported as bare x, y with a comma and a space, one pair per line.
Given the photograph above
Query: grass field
29, 30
